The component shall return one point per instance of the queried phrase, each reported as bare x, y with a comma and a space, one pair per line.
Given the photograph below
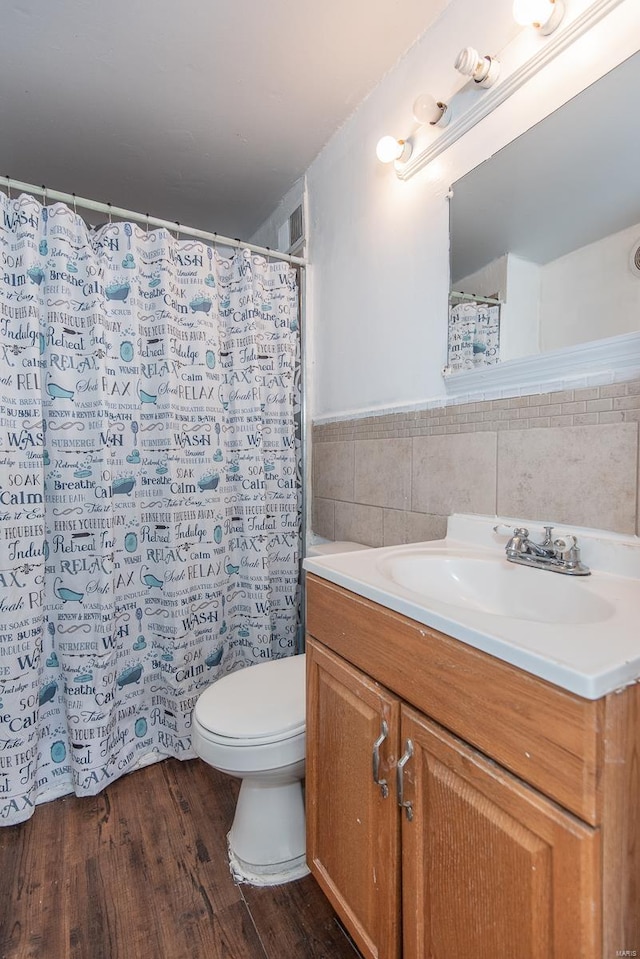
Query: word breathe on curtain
149, 491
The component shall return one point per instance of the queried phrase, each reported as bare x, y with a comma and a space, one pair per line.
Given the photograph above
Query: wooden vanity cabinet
353, 827
483, 859
492, 868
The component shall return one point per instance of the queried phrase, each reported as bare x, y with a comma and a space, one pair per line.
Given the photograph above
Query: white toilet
251, 724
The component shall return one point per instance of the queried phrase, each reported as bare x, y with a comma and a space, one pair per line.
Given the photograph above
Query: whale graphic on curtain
149, 491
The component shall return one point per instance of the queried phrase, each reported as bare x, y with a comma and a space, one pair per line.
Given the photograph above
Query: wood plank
140, 871
542, 733
107, 917
32, 891
296, 921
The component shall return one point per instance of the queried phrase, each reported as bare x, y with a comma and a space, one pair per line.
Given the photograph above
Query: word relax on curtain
149, 491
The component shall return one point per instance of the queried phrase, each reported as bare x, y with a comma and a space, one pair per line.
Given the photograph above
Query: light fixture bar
557, 43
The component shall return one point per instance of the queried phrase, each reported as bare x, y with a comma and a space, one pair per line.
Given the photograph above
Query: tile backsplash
569, 457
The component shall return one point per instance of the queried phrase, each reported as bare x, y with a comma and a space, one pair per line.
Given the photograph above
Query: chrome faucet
561, 555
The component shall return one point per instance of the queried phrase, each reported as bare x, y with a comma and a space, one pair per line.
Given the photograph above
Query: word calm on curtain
149, 491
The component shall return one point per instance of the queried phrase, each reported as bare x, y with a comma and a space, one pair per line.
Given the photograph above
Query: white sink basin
495, 586
580, 633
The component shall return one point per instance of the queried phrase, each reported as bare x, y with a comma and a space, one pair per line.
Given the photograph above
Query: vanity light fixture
389, 149
483, 70
634, 258
545, 15
426, 109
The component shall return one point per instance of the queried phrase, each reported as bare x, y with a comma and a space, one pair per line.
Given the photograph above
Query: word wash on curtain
149, 491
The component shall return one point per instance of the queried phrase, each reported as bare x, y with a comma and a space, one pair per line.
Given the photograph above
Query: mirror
549, 225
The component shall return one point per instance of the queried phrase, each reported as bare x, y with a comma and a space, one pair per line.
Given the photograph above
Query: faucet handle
569, 552
511, 530
565, 543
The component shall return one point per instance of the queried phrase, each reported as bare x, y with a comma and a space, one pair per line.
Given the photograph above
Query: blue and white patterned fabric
149, 490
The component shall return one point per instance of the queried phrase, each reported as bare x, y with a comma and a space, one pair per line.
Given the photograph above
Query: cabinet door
491, 869
353, 827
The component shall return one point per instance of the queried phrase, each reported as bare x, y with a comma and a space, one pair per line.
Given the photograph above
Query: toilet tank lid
267, 699
341, 546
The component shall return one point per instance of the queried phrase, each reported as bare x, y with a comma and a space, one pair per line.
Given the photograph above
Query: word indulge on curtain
149, 491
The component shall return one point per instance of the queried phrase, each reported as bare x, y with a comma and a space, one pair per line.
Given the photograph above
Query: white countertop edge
583, 685
606, 553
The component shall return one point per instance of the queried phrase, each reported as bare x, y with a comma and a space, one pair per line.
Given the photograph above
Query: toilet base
267, 840
271, 875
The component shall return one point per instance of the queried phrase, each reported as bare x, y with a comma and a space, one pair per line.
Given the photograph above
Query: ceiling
200, 111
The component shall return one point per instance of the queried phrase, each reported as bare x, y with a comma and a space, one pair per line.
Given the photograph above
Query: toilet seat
255, 706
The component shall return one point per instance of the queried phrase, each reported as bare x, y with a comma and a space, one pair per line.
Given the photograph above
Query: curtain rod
72, 199
475, 297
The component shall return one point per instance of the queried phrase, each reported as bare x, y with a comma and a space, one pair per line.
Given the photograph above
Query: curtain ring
110, 220
74, 204
44, 195
178, 230
147, 216
9, 188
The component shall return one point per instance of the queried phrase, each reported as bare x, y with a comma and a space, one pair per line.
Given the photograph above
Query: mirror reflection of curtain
474, 335
149, 490
577, 233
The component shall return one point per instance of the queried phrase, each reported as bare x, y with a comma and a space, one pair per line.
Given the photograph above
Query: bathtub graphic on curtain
150, 481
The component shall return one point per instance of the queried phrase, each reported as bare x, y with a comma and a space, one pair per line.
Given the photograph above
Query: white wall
520, 329
378, 283
590, 293
517, 283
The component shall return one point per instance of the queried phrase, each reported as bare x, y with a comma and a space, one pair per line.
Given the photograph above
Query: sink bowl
579, 633
495, 586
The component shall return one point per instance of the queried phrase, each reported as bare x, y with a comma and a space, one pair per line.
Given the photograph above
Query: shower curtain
149, 490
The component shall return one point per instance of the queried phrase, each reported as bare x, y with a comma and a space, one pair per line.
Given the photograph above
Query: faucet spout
540, 549
559, 556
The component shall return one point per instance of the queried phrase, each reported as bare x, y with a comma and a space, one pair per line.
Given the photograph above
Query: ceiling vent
634, 258
296, 229
291, 233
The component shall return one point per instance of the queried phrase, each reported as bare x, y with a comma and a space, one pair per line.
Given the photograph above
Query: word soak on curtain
149, 491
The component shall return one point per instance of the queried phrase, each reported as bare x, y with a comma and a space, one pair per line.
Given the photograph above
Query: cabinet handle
384, 788
404, 804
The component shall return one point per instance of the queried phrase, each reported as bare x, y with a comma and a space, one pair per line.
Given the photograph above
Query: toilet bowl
251, 724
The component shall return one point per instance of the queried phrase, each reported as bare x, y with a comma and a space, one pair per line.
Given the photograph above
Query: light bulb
390, 149
543, 14
483, 70
426, 109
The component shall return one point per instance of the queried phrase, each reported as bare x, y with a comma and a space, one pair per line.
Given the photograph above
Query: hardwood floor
140, 871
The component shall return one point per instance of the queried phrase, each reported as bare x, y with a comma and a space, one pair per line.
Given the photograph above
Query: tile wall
569, 457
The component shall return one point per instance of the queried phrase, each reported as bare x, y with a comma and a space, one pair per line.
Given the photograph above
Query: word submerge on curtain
149, 491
